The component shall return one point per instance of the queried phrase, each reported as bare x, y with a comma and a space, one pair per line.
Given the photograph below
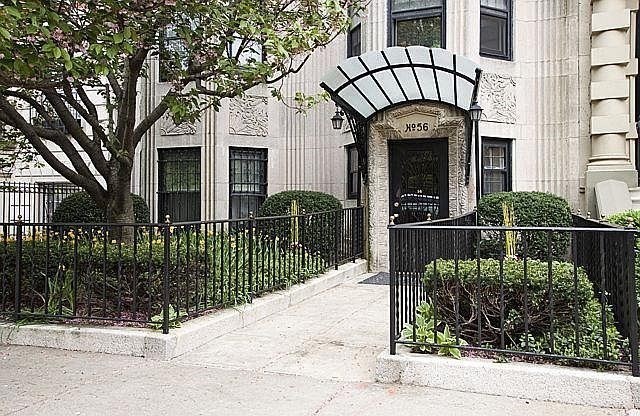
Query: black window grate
179, 182
247, 180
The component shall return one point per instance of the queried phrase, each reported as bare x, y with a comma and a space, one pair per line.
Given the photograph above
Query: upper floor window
495, 28
354, 42
171, 47
418, 22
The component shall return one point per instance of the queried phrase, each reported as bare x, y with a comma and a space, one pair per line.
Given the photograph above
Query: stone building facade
558, 90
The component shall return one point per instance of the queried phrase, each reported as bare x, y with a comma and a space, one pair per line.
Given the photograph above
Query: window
495, 28
179, 183
353, 174
354, 42
417, 22
247, 180
172, 48
496, 165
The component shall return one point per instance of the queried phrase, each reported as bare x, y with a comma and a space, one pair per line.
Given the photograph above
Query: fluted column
611, 57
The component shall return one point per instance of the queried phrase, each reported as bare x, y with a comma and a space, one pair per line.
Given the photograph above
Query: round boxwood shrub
531, 209
309, 201
319, 230
81, 208
462, 286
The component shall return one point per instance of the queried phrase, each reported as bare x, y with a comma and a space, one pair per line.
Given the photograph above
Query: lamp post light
337, 119
475, 112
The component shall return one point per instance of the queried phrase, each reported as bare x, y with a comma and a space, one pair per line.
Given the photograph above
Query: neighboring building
558, 89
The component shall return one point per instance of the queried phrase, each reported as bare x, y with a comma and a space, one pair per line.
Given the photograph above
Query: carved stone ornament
248, 116
169, 128
498, 98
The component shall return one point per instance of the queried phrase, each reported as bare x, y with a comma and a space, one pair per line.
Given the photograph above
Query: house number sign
414, 125
411, 127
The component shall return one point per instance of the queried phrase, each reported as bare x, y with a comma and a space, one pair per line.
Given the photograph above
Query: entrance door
418, 179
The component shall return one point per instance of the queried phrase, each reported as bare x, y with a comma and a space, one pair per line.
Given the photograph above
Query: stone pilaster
610, 96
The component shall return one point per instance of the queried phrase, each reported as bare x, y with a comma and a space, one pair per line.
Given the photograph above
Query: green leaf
118, 38
57, 53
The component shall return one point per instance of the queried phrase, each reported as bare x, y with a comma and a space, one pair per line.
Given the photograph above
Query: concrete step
634, 193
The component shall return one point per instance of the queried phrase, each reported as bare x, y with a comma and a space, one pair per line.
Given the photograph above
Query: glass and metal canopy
375, 81
378, 80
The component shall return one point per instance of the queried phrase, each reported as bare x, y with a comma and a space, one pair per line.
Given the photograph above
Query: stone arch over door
445, 122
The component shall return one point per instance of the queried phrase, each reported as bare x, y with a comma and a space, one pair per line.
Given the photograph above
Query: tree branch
10, 115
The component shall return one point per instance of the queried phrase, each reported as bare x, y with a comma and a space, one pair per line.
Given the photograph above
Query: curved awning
367, 84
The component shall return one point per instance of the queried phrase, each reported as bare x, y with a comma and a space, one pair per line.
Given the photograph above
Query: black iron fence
160, 274
566, 294
32, 202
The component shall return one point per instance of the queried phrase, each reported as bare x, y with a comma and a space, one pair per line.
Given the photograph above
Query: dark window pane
247, 180
354, 47
494, 35
425, 31
353, 177
179, 183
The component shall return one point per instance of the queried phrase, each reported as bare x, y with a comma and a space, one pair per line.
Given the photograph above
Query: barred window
179, 183
247, 180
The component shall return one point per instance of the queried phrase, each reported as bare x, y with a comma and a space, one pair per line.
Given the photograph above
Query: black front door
418, 179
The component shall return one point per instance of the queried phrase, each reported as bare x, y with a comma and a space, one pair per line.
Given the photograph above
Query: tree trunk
119, 208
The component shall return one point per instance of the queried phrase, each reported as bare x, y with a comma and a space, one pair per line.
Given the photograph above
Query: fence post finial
630, 223
588, 215
251, 215
167, 219
579, 211
602, 217
428, 216
391, 220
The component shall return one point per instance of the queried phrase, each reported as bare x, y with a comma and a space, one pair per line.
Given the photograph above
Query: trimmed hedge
309, 201
319, 230
538, 305
531, 209
81, 208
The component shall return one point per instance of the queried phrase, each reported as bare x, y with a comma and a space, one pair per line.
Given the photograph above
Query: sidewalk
316, 358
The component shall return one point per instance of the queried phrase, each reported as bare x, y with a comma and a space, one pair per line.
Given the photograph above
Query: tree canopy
54, 55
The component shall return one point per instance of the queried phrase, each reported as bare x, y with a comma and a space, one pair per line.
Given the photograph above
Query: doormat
381, 278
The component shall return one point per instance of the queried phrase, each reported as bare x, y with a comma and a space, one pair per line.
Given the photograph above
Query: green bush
319, 230
81, 208
531, 209
309, 201
566, 300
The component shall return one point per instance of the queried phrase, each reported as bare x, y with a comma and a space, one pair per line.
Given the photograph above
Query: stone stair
634, 193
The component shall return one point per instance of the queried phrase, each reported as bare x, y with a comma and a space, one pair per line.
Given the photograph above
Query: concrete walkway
316, 358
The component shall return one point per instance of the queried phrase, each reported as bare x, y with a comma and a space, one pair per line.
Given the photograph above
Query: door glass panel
419, 181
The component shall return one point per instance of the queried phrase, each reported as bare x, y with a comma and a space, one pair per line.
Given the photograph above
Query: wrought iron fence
160, 274
32, 202
559, 294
